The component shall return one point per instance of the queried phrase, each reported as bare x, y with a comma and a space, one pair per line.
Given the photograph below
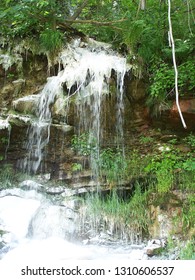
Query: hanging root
172, 45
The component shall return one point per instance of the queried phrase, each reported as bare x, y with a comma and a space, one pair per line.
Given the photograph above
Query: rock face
188, 110
21, 93
55, 221
166, 218
27, 104
170, 119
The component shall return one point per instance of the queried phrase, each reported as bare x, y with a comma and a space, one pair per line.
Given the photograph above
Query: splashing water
48, 232
88, 69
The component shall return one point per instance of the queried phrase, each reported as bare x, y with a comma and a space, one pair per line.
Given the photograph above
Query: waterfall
87, 68
39, 132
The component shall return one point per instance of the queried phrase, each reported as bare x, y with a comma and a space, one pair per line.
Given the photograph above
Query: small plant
190, 139
189, 164
113, 165
164, 179
173, 141
76, 167
125, 219
10, 75
136, 164
187, 252
163, 167
84, 144
6, 176
146, 139
4, 140
51, 40
188, 215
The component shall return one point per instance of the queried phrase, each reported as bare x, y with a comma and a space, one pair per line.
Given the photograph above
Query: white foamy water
15, 214
54, 249
36, 230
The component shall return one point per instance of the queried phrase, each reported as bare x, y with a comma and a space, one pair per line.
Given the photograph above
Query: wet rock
7, 90
27, 104
31, 185
52, 220
171, 118
136, 89
44, 178
186, 105
55, 190
59, 108
18, 86
19, 120
63, 127
73, 203
154, 247
166, 217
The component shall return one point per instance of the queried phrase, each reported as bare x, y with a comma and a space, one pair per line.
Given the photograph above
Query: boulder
172, 118
154, 247
27, 104
18, 85
166, 217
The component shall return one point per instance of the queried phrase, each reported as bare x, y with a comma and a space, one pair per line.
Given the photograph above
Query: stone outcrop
166, 217
170, 119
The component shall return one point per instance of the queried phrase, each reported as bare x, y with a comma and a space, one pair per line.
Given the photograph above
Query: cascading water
43, 230
39, 132
87, 68
49, 231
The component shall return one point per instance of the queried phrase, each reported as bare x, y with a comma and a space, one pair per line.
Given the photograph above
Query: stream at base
34, 228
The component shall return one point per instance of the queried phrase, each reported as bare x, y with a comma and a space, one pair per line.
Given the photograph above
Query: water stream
87, 69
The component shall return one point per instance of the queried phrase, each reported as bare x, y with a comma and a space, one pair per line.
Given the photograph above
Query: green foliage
188, 214
146, 140
127, 217
189, 164
76, 167
4, 140
186, 80
187, 252
84, 144
138, 209
163, 166
136, 164
162, 82
51, 40
112, 164
6, 176
190, 139
184, 250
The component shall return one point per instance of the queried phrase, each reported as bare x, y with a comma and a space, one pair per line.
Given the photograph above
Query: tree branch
85, 21
98, 23
79, 10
